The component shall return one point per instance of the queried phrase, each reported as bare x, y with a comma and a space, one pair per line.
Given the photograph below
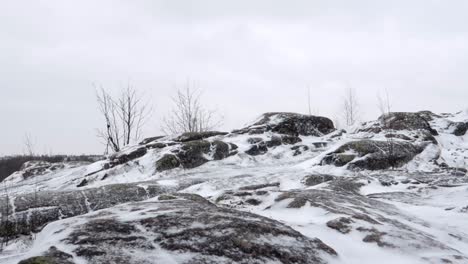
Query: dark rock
253, 201
126, 156
259, 186
375, 236
83, 183
374, 155
342, 224
274, 142
291, 124
290, 140
233, 146
315, 179
156, 145
299, 149
149, 140
166, 197
192, 153
191, 136
52, 256
254, 140
406, 121
242, 194
221, 150
261, 193
38, 167
320, 144
338, 159
258, 149
399, 136
167, 162
208, 233
33, 211
458, 128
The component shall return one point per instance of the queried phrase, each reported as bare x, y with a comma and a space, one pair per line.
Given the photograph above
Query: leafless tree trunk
350, 107
29, 145
384, 106
124, 117
189, 115
383, 103
133, 113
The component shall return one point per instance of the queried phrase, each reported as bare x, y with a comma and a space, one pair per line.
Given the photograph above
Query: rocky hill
288, 188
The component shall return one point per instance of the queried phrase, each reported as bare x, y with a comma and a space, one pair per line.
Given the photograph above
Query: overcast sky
248, 57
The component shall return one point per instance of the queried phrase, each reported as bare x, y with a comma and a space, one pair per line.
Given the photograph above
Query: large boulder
184, 229
373, 155
458, 128
406, 121
290, 124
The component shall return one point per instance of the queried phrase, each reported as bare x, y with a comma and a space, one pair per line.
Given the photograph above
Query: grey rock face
167, 162
315, 179
192, 154
150, 139
291, 124
459, 128
189, 225
30, 212
341, 224
373, 155
126, 156
52, 256
191, 136
406, 121
258, 149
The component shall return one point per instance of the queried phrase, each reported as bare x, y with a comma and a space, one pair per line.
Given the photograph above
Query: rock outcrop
406, 121
30, 212
186, 229
373, 155
290, 124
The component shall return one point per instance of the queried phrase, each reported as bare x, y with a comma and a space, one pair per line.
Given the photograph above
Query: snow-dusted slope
289, 168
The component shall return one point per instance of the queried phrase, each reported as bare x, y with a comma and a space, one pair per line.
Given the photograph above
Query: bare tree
29, 145
350, 107
124, 117
384, 106
312, 110
133, 113
189, 115
383, 103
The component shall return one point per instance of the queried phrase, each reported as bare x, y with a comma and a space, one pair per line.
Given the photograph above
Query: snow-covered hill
288, 188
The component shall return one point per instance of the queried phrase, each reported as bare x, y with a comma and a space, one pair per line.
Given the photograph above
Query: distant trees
350, 107
189, 114
124, 117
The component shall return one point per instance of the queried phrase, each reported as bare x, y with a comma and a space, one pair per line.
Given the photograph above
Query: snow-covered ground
420, 211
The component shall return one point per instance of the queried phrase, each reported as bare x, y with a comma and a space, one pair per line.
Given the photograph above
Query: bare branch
124, 117
350, 107
189, 115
